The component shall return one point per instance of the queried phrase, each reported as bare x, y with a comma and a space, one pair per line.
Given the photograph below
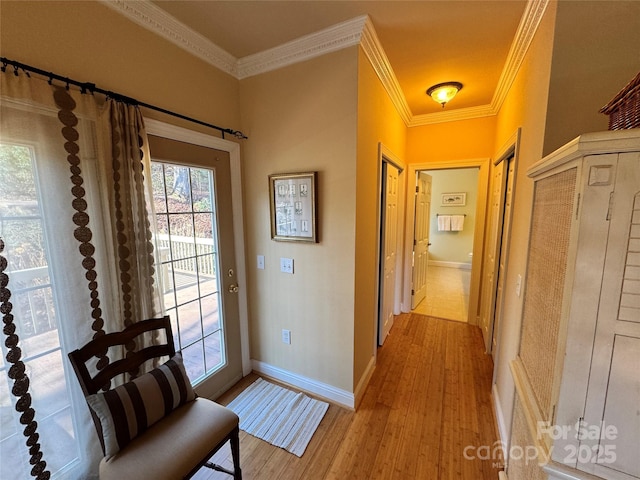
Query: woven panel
551, 223
522, 465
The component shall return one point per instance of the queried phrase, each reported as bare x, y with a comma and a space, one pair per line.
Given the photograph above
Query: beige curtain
76, 261
131, 209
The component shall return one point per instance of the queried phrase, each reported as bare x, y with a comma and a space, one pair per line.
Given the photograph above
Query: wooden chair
179, 442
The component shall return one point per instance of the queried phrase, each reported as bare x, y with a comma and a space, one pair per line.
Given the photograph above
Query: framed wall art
293, 206
458, 199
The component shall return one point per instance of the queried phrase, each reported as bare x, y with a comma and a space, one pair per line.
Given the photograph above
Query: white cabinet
578, 369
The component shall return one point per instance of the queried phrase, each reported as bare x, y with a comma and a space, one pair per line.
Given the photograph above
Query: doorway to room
450, 225
455, 220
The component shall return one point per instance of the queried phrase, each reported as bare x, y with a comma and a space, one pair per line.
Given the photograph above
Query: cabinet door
611, 424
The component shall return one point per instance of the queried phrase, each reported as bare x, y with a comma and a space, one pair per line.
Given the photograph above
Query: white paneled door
421, 238
389, 244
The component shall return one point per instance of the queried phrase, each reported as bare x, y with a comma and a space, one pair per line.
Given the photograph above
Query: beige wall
378, 121
453, 246
525, 106
596, 53
303, 118
89, 42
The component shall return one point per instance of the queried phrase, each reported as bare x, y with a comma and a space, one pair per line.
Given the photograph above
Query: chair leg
235, 453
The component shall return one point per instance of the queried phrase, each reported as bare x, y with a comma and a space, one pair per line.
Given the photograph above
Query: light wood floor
428, 399
447, 293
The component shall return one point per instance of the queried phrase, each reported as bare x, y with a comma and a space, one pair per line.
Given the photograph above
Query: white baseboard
502, 425
502, 475
331, 393
460, 265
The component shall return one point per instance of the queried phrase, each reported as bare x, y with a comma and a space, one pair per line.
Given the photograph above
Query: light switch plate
286, 265
260, 262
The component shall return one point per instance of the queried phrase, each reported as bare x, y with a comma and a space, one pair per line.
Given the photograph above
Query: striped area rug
279, 416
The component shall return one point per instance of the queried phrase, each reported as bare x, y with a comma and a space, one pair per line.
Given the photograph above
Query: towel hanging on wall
457, 223
444, 223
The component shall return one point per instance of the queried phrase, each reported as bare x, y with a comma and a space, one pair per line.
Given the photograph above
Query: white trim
337, 37
529, 23
502, 475
356, 31
153, 18
452, 115
378, 58
557, 471
503, 431
155, 127
324, 390
440, 263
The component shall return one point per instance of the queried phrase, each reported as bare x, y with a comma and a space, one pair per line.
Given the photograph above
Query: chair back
99, 346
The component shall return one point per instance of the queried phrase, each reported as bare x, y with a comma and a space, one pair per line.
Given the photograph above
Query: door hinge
577, 206
610, 206
417, 189
413, 292
415, 242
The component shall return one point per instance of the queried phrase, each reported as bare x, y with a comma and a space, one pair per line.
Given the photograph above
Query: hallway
427, 404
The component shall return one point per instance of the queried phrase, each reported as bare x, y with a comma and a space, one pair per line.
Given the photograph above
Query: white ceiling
412, 44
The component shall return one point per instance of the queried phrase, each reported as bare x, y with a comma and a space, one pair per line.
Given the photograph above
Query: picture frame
293, 206
454, 199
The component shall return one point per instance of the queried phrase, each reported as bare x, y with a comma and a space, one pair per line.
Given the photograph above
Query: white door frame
162, 129
478, 238
386, 155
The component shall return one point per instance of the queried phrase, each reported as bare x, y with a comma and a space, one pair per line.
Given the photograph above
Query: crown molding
381, 65
153, 18
336, 37
452, 115
359, 30
529, 23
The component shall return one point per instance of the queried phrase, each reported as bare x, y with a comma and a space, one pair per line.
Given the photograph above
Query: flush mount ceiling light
444, 92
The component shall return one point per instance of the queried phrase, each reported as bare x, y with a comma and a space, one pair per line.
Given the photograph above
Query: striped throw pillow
129, 409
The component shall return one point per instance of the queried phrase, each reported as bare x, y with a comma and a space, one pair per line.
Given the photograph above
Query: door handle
233, 288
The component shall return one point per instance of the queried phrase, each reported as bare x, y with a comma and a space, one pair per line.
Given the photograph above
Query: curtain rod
450, 214
91, 87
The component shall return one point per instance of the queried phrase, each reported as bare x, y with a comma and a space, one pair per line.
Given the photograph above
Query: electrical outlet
519, 285
260, 262
286, 265
286, 336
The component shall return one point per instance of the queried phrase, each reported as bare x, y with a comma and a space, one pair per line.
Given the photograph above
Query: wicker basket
624, 109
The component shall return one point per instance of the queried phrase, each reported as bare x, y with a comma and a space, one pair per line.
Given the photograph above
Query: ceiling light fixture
444, 92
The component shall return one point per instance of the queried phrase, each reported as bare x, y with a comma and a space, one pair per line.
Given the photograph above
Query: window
188, 263
33, 295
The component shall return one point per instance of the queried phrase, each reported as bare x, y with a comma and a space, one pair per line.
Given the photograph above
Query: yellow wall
525, 107
378, 121
303, 118
461, 140
89, 42
596, 53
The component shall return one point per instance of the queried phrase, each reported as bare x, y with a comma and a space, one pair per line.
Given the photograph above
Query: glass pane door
191, 190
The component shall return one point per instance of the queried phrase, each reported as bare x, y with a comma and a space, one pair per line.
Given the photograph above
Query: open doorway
451, 222
459, 189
